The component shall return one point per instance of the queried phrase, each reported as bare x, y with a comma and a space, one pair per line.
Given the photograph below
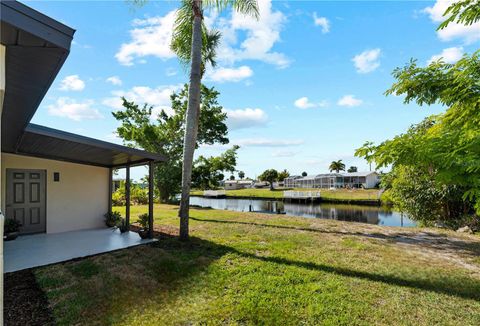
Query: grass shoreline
357, 196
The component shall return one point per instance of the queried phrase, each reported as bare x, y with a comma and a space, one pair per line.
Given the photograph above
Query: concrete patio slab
43, 249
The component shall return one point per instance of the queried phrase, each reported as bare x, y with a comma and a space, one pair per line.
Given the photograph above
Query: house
237, 184
117, 183
261, 184
366, 180
51, 181
289, 182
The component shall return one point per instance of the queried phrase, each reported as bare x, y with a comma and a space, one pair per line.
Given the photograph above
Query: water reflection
341, 212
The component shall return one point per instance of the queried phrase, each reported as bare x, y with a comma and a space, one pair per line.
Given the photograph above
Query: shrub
118, 198
112, 218
11, 226
143, 221
139, 196
122, 225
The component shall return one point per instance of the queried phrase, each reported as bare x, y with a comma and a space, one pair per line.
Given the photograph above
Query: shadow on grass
461, 287
428, 239
157, 273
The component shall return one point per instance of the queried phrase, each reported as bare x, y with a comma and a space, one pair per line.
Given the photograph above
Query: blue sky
302, 86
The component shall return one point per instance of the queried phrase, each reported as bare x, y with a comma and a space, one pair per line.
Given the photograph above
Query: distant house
237, 184
365, 180
289, 182
116, 183
261, 184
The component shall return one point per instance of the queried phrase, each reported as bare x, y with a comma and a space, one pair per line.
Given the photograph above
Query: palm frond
247, 7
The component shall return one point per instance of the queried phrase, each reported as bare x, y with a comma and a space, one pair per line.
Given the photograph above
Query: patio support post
127, 196
150, 199
110, 189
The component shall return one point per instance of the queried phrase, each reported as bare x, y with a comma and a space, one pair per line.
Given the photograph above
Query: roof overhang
36, 48
48, 143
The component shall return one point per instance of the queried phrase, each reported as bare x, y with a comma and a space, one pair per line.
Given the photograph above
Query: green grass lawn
257, 269
339, 194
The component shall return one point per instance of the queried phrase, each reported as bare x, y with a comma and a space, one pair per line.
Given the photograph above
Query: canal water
341, 212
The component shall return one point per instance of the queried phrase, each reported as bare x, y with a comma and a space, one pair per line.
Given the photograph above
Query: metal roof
44, 142
328, 175
36, 48
358, 174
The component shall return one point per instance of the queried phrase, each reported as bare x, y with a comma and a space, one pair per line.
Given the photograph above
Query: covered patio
44, 249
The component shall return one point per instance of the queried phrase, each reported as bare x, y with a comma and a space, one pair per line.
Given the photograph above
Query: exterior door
25, 199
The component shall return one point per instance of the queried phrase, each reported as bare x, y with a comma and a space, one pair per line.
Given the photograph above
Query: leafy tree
435, 164
283, 175
337, 166
366, 151
232, 177
207, 172
304, 174
241, 175
451, 144
352, 169
187, 43
164, 134
464, 12
269, 176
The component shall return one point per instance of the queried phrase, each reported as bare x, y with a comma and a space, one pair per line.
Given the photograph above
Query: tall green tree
337, 166
241, 175
188, 30
451, 144
209, 171
439, 158
269, 176
165, 133
352, 169
283, 175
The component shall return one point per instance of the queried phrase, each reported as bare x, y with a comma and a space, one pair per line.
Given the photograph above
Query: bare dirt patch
25, 303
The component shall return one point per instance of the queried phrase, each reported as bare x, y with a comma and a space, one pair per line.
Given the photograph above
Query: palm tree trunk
193, 112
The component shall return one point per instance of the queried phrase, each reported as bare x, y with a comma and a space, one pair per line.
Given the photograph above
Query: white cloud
150, 36
158, 97
261, 36
230, 74
114, 138
322, 22
72, 83
304, 103
283, 154
246, 118
114, 80
69, 108
367, 61
171, 72
350, 101
266, 142
469, 34
448, 55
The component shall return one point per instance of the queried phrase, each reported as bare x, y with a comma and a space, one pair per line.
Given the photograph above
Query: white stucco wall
371, 180
78, 201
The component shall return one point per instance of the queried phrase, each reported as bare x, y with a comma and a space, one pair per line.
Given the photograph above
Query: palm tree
189, 36
337, 166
